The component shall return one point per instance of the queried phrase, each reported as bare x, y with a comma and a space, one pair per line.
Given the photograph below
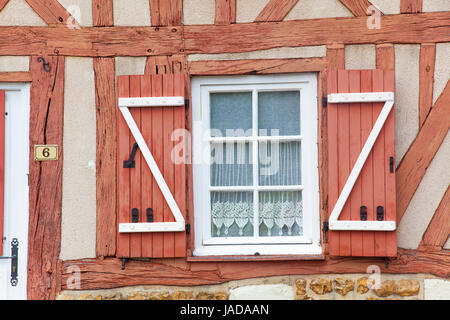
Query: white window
255, 205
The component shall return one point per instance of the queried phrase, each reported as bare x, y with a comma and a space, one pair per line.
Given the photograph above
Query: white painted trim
152, 227
202, 87
151, 102
334, 223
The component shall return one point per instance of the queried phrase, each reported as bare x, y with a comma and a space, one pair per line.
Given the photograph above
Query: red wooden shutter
136, 187
349, 126
2, 167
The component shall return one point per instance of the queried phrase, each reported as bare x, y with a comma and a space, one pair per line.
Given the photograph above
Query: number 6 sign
45, 152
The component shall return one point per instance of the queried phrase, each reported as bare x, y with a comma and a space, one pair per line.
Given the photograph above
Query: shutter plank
2, 168
344, 157
135, 173
333, 187
180, 168
157, 151
367, 171
389, 145
123, 176
168, 167
146, 176
379, 165
355, 149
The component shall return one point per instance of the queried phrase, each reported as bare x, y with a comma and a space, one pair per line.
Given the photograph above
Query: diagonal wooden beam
357, 7
411, 6
3, 3
426, 76
439, 228
52, 12
225, 12
276, 10
416, 161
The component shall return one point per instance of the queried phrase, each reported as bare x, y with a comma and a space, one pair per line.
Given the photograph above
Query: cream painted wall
14, 63
442, 68
78, 234
247, 11
312, 9
137, 14
130, 65
387, 6
360, 57
198, 11
406, 97
81, 10
436, 5
19, 13
276, 53
426, 199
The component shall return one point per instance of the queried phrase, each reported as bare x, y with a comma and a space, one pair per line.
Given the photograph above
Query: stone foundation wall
316, 287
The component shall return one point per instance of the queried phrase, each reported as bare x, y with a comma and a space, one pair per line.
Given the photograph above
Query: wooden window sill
254, 258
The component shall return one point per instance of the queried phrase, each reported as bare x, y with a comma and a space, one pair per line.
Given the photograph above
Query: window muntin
247, 204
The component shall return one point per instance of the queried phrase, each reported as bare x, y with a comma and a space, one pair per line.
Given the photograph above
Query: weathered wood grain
52, 12
22, 76
225, 12
107, 273
46, 127
439, 228
426, 80
166, 12
385, 56
416, 161
411, 6
256, 66
102, 13
276, 10
3, 3
104, 71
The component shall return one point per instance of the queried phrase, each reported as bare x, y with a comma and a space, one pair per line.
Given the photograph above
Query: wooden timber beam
276, 10
242, 37
423, 149
166, 12
22, 76
411, 6
225, 12
107, 273
45, 178
426, 79
3, 3
439, 228
102, 13
357, 7
52, 12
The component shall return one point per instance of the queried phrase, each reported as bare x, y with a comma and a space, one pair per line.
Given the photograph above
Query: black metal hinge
324, 102
391, 164
186, 103
130, 163
325, 227
188, 228
14, 262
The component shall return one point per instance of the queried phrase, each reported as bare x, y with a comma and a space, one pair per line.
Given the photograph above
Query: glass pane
232, 214
231, 114
279, 113
280, 163
281, 213
231, 164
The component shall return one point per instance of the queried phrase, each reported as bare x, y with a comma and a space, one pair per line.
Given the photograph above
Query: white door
17, 111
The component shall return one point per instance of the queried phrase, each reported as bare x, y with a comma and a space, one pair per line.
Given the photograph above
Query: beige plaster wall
137, 14
312, 9
14, 63
442, 68
247, 11
276, 53
81, 10
436, 5
130, 65
198, 11
360, 57
78, 234
19, 13
406, 97
426, 199
387, 6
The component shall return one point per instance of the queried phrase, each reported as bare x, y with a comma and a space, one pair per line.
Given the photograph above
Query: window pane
280, 163
280, 112
231, 113
232, 214
231, 164
281, 213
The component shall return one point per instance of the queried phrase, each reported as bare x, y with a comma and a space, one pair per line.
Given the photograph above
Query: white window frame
309, 242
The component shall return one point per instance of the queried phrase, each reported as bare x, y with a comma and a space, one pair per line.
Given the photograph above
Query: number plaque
45, 152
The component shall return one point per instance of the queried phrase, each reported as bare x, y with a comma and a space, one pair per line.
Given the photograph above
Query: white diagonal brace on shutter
334, 223
179, 224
